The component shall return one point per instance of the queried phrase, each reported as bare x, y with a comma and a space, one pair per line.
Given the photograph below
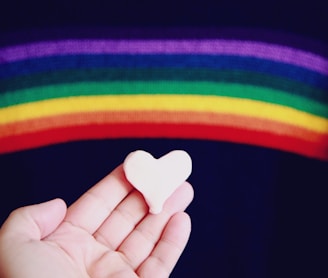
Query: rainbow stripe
243, 91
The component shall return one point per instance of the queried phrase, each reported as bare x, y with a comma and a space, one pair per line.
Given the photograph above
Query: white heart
157, 179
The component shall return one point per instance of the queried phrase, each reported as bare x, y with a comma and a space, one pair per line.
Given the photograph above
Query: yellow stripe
215, 104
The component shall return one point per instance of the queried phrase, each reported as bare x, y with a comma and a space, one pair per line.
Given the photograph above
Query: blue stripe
55, 63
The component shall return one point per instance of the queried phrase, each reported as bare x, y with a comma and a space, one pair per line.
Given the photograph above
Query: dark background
301, 17
257, 212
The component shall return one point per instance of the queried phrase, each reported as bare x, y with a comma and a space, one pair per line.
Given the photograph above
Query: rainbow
245, 91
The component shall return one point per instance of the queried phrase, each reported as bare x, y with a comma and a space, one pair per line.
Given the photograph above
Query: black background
257, 212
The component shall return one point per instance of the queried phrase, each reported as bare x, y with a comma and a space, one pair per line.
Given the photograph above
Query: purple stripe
246, 34
273, 52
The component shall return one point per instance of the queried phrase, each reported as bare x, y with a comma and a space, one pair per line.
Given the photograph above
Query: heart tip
155, 210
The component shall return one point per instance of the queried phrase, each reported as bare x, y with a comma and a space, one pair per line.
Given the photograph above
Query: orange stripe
79, 119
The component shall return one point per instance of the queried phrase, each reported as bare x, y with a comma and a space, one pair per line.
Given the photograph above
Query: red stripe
191, 131
158, 117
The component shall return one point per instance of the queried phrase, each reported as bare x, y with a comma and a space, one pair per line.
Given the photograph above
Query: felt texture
242, 85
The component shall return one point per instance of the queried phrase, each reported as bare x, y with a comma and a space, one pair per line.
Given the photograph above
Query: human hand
107, 232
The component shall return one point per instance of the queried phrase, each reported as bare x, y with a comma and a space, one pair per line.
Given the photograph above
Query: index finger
95, 205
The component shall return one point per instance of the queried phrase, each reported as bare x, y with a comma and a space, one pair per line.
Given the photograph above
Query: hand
107, 232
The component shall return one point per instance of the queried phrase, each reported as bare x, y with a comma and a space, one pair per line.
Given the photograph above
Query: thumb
35, 221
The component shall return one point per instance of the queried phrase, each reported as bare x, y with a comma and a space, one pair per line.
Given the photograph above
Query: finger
141, 241
169, 248
122, 220
94, 206
35, 221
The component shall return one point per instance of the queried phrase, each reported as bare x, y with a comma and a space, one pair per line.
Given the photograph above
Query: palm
109, 233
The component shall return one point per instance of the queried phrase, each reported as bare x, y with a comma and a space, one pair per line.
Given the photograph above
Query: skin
107, 232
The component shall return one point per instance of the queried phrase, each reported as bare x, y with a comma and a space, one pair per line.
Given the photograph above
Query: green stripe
165, 87
241, 77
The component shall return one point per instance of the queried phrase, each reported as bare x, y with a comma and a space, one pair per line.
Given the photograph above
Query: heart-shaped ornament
157, 179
